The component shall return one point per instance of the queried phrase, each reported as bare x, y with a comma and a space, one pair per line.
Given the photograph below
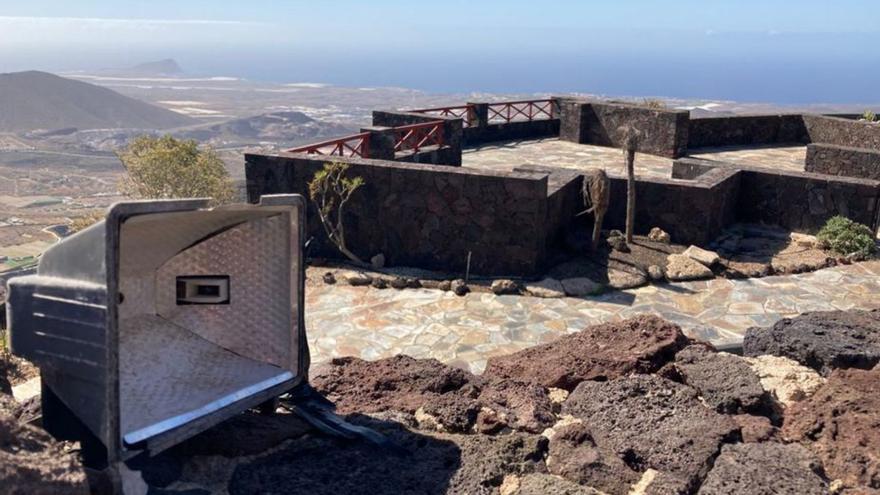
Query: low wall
842, 132
746, 130
453, 137
693, 212
664, 132
844, 161
424, 215
533, 129
798, 201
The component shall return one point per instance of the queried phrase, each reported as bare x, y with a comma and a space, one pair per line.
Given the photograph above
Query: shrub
654, 103
165, 167
847, 237
85, 221
869, 116
331, 189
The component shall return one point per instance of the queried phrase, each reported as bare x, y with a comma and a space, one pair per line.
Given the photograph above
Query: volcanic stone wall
746, 130
842, 132
664, 132
693, 212
841, 160
424, 215
450, 154
799, 201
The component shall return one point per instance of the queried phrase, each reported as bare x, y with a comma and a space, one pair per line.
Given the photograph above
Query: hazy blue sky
794, 50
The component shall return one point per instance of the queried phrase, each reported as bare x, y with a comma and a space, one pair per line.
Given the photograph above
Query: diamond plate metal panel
256, 323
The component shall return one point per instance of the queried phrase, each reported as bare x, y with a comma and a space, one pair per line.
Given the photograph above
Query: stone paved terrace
505, 156
465, 331
789, 158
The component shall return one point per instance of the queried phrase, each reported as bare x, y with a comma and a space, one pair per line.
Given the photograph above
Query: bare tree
630, 143
330, 189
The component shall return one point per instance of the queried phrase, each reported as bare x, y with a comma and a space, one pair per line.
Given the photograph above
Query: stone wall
746, 130
453, 137
842, 132
664, 132
692, 211
841, 160
424, 215
799, 201
534, 129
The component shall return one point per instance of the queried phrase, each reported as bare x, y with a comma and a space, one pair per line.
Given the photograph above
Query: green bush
869, 116
847, 237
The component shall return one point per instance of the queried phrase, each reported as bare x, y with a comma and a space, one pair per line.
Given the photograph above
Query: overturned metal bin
165, 319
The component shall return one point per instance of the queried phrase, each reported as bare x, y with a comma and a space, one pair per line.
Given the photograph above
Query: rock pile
620, 408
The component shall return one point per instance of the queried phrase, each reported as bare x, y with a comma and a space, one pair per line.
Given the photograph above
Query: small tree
330, 189
630, 143
165, 167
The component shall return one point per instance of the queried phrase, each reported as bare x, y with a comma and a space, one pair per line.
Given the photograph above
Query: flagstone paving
465, 331
505, 156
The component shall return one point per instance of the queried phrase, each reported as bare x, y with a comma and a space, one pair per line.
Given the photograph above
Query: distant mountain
167, 67
278, 127
39, 100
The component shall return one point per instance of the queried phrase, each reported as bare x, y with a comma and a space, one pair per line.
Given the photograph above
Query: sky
705, 48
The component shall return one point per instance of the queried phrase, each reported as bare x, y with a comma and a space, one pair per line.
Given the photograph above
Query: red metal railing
354, 145
512, 111
463, 112
417, 136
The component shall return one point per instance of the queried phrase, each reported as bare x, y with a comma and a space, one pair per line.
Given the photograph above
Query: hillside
39, 100
166, 67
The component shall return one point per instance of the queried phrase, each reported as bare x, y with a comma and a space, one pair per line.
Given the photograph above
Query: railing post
479, 114
381, 143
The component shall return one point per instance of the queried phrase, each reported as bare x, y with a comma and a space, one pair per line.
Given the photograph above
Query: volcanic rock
329, 278
622, 279
446, 398
399, 383
726, 382
581, 286
821, 340
618, 243
642, 344
548, 287
745, 267
545, 484
764, 468
755, 428
808, 260
521, 406
379, 283
432, 464
784, 379
504, 286
574, 455
841, 424
703, 256
459, 287
400, 282
680, 268
656, 273
359, 279
659, 235
655, 423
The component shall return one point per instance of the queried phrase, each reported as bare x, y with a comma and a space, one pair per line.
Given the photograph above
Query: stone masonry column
480, 114
381, 143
